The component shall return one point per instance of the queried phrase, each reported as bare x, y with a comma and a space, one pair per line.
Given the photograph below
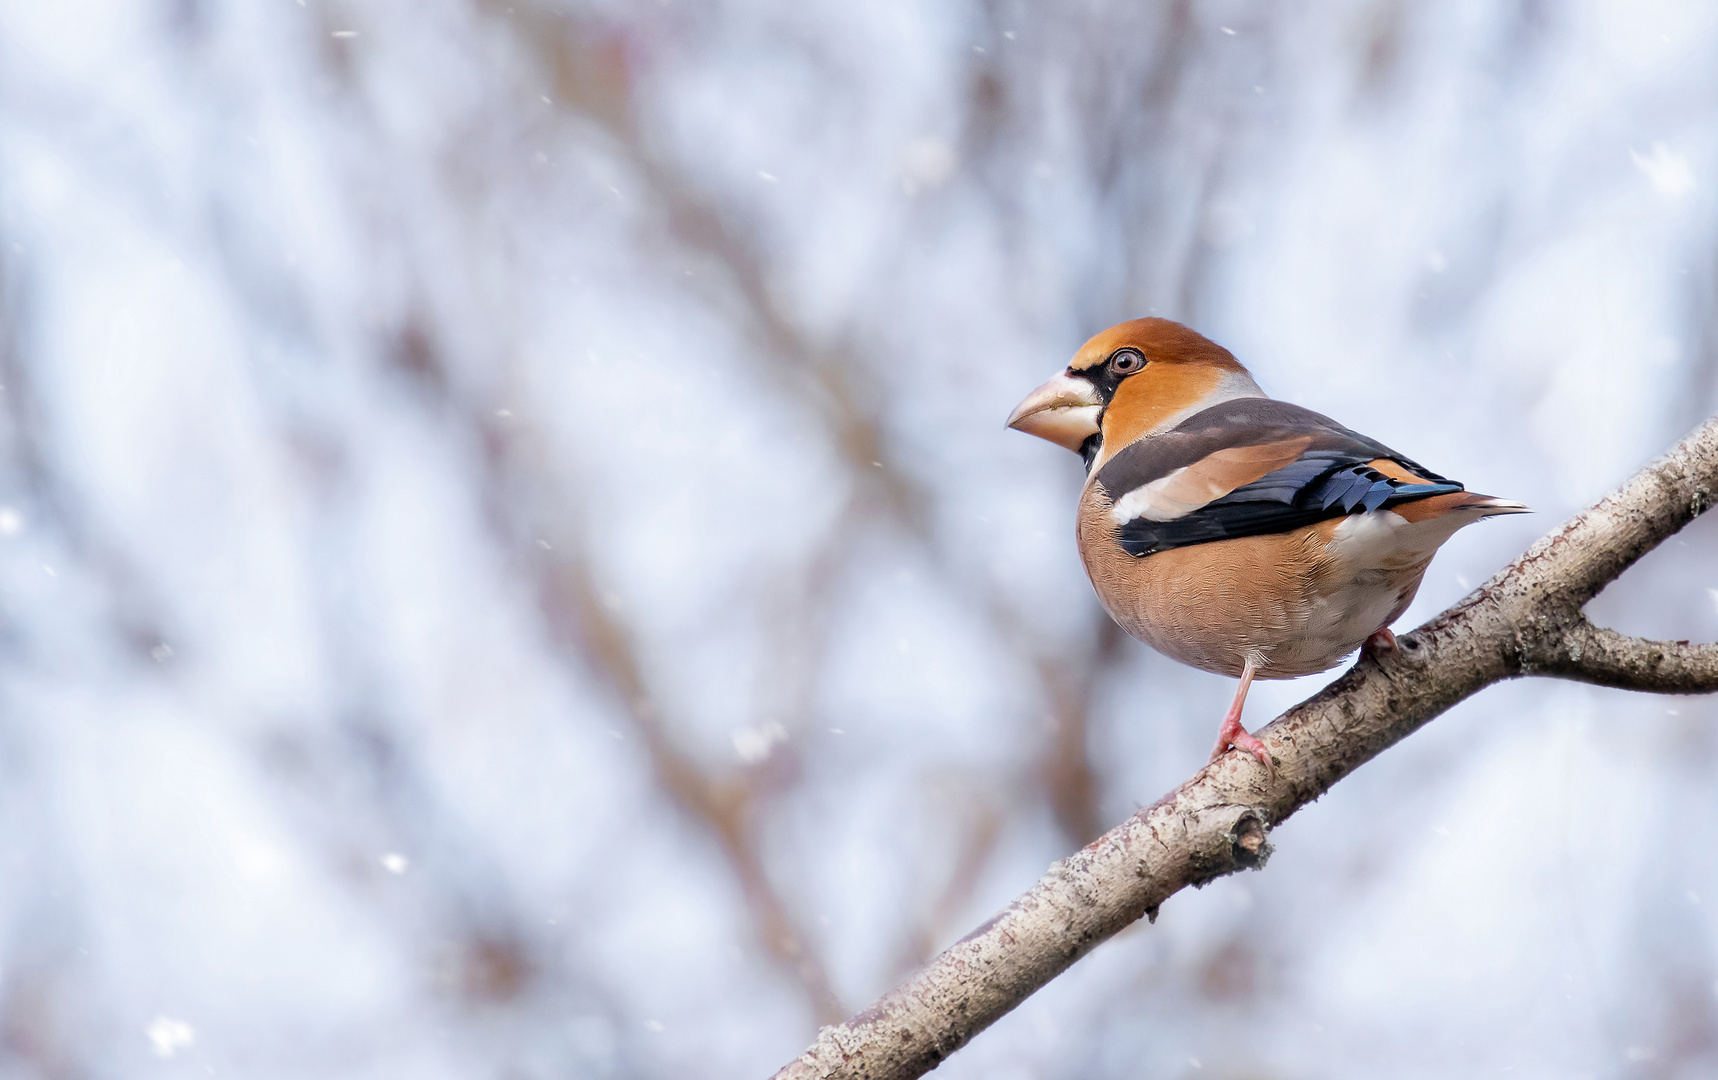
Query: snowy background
510, 565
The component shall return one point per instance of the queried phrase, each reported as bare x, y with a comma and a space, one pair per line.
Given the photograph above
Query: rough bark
1525, 621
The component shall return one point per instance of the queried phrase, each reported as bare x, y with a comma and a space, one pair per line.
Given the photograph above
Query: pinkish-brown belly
1282, 598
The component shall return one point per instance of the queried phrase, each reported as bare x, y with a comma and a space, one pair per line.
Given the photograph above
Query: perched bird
1244, 536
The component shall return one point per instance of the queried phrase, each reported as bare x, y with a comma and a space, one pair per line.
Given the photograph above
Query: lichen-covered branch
1525, 621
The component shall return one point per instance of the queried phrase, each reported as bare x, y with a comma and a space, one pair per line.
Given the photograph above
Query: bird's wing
1252, 466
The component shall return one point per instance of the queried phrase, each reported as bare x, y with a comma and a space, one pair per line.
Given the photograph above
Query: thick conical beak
1064, 410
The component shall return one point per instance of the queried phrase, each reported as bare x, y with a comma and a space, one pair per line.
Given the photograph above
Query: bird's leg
1232, 733
1381, 641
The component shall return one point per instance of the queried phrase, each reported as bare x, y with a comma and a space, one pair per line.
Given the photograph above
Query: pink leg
1233, 734
1381, 641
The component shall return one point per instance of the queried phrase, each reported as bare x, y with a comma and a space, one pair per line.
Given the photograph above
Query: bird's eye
1126, 362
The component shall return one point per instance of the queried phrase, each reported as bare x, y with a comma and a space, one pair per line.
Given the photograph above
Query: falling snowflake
169, 1036
1668, 170
927, 163
753, 744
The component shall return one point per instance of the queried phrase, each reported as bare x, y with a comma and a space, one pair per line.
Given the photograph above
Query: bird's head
1135, 379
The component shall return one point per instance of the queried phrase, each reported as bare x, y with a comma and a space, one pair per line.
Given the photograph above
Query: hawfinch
1244, 536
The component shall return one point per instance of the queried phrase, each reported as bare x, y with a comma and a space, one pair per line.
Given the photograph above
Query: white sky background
510, 565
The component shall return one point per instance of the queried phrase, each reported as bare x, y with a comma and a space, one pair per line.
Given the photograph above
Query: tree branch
1606, 658
1525, 621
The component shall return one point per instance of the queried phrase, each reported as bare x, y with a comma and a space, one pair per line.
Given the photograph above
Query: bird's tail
1459, 507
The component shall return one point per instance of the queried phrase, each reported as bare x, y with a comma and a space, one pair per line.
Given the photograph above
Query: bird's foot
1382, 641
1233, 734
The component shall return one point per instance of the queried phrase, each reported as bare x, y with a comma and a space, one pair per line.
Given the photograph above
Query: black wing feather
1331, 478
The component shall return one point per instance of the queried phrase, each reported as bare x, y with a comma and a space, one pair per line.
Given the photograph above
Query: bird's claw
1239, 738
1382, 641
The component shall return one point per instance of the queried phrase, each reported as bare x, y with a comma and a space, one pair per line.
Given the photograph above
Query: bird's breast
1296, 602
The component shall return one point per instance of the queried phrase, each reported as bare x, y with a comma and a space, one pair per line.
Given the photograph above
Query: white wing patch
1179, 493
1153, 502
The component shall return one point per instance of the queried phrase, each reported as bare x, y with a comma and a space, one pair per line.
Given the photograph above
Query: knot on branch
1242, 846
1251, 848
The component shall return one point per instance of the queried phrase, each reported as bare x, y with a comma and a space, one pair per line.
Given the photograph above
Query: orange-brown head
1135, 379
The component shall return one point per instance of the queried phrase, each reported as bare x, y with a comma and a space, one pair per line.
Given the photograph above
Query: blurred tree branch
1527, 620
595, 70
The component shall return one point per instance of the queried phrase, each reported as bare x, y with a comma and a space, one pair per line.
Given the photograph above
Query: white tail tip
1501, 506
